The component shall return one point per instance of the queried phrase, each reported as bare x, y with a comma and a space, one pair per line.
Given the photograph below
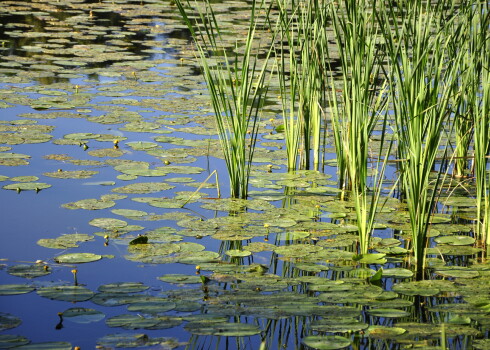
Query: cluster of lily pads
284, 259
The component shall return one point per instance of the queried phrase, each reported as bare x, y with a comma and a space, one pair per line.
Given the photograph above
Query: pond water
106, 133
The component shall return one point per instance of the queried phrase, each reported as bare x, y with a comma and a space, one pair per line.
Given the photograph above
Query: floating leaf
180, 278
123, 287
29, 271
27, 186
8, 341
77, 258
455, 240
56, 345
326, 342
83, 315
8, 321
75, 174
383, 332
11, 289
90, 204
108, 223
388, 313
65, 241
397, 273
222, 328
66, 293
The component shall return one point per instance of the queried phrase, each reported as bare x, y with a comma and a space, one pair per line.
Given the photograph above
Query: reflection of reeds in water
237, 88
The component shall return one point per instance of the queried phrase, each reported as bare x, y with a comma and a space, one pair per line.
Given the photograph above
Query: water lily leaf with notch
55, 345
222, 328
8, 341
455, 240
326, 342
90, 204
384, 332
238, 253
12, 289
29, 271
27, 186
180, 278
83, 315
370, 258
75, 174
77, 258
65, 241
66, 293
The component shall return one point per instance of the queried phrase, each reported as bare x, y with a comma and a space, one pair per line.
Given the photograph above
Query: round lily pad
180, 278
388, 313
65, 241
27, 186
123, 287
77, 258
455, 240
8, 341
326, 342
29, 271
397, 272
237, 253
8, 321
75, 174
108, 223
66, 293
57, 345
90, 204
11, 289
384, 332
82, 315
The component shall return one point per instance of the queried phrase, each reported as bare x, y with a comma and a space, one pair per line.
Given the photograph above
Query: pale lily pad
65, 241
12, 289
77, 258
66, 293
123, 287
397, 272
90, 204
180, 278
8, 341
138, 322
144, 187
338, 324
457, 272
129, 212
222, 329
388, 313
75, 174
27, 186
455, 240
29, 271
106, 152
237, 253
326, 342
24, 178
141, 145
108, 223
83, 315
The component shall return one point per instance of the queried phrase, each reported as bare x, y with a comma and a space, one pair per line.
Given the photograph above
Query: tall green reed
422, 72
301, 58
357, 111
237, 86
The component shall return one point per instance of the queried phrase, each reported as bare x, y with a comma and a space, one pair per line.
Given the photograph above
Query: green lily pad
237, 253
129, 212
108, 223
65, 241
8, 341
66, 293
180, 278
8, 321
131, 340
123, 287
326, 342
397, 272
24, 178
457, 272
27, 186
144, 187
338, 324
77, 258
75, 174
455, 240
384, 332
56, 345
29, 271
83, 315
222, 328
11, 289
388, 313
90, 204
128, 321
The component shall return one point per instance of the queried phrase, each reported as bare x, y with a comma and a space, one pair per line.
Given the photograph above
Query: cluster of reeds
413, 76
237, 87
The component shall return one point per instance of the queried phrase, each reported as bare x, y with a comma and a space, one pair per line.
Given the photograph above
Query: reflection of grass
237, 88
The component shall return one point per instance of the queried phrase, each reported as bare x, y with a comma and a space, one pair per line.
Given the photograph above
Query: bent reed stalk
237, 88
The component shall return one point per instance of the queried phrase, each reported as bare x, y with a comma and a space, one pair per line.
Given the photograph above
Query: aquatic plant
303, 74
357, 111
421, 74
236, 85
